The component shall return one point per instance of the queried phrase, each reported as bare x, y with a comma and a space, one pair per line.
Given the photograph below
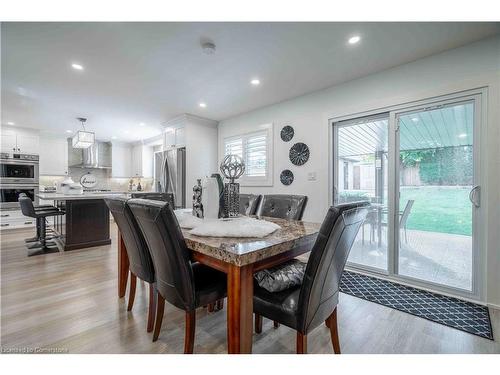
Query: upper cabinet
20, 141
53, 156
175, 137
142, 161
121, 161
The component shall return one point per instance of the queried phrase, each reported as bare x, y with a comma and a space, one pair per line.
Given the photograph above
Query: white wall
472, 66
201, 151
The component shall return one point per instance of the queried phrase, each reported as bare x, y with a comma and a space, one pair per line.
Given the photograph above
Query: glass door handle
474, 192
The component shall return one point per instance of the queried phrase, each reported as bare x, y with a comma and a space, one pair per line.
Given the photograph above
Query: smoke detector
208, 48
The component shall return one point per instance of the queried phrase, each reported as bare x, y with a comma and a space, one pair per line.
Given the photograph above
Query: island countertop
72, 197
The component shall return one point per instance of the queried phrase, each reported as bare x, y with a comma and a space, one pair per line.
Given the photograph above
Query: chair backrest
27, 207
320, 287
174, 275
139, 257
165, 197
406, 213
283, 206
249, 204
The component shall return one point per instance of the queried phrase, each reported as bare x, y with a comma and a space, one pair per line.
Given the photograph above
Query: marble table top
243, 251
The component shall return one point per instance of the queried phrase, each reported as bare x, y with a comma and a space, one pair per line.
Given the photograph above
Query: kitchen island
86, 223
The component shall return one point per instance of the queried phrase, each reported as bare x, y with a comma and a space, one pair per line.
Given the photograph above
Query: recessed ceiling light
354, 39
462, 135
142, 124
77, 66
414, 119
113, 137
255, 82
69, 131
10, 123
203, 105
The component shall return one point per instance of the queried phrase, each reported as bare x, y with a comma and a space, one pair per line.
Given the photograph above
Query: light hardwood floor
69, 301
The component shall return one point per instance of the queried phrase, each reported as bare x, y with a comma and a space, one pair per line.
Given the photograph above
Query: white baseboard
493, 306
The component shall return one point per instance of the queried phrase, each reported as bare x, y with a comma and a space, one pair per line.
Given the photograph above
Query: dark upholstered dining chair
305, 307
140, 262
249, 203
186, 285
283, 206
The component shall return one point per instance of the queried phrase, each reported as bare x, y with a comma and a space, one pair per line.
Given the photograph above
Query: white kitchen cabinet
137, 161
142, 161
53, 156
28, 144
175, 137
14, 219
121, 156
9, 141
23, 141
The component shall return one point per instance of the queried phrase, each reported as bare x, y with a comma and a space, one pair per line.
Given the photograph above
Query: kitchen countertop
70, 197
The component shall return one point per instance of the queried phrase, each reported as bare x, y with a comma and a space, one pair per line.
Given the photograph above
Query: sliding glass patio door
437, 194
362, 174
418, 167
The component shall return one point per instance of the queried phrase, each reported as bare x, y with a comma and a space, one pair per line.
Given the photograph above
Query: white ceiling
150, 72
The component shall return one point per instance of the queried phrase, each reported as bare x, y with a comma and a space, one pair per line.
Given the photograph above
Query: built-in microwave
19, 169
9, 194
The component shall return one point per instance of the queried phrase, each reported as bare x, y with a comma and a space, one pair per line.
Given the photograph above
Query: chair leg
131, 297
210, 307
258, 323
220, 304
334, 331
160, 307
276, 324
301, 343
189, 332
152, 307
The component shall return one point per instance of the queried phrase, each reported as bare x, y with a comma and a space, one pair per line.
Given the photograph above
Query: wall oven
9, 194
19, 169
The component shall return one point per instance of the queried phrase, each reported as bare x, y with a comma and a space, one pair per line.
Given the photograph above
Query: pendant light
83, 138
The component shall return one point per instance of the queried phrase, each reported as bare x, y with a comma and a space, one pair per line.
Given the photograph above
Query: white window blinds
254, 149
256, 155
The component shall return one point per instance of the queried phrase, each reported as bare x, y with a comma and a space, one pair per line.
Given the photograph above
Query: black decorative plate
287, 133
299, 153
286, 177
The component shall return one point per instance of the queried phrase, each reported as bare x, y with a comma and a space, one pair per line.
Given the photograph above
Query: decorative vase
231, 199
210, 198
220, 183
232, 167
197, 205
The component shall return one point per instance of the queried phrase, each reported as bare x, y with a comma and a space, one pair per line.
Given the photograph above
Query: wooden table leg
123, 264
239, 309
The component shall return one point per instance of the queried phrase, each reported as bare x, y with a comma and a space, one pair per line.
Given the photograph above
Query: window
255, 150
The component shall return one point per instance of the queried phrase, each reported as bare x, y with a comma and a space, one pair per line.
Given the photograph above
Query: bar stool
44, 207
41, 246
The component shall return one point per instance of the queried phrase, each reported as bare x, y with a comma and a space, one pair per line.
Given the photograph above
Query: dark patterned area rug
465, 316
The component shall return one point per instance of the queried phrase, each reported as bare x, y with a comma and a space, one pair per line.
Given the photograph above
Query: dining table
240, 258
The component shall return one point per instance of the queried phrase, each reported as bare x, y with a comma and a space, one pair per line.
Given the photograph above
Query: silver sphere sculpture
232, 167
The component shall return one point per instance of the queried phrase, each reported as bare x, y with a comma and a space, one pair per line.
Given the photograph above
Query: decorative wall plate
299, 153
286, 177
287, 133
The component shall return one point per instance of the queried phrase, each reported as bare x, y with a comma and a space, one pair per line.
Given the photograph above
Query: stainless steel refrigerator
170, 174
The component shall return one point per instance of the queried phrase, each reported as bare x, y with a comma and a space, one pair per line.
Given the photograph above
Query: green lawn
439, 209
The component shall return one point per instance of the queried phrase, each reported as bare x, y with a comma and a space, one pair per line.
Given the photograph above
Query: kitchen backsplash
103, 177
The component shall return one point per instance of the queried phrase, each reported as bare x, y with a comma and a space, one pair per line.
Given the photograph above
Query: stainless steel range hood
96, 156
